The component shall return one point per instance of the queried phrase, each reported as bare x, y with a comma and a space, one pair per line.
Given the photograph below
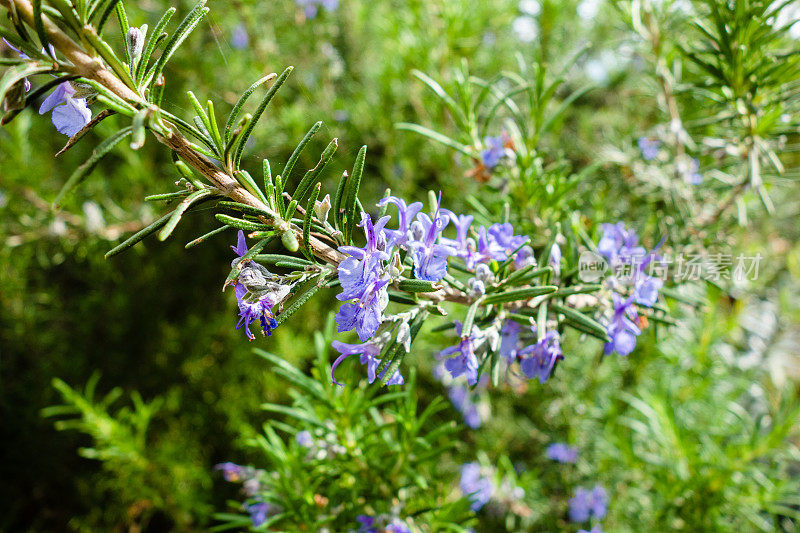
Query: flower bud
289, 240
135, 41
476, 288
321, 208
483, 273
404, 336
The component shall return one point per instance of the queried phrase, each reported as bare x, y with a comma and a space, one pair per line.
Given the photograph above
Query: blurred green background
657, 429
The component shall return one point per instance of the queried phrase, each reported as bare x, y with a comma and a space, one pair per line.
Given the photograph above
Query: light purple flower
555, 259
69, 114
509, 339
648, 147
463, 400
264, 291
563, 453
477, 486
538, 360
466, 362
599, 502
619, 244
645, 291
462, 244
311, 7
693, 176
580, 505
362, 278
493, 153
231, 471
258, 513
240, 39
368, 352
405, 214
429, 257
304, 439
621, 329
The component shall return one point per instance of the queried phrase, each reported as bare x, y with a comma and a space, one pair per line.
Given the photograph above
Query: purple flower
497, 243
599, 502
493, 153
562, 453
509, 338
477, 486
311, 7
371, 524
542, 357
304, 439
580, 505
649, 148
462, 245
231, 471
621, 329
368, 352
524, 258
405, 214
692, 175
645, 291
463, 401
240, 39
258, 513
69, 114
362, 278
366, 524
619, 244
466, 362
595, 529
257, 292
429, 257
555, 259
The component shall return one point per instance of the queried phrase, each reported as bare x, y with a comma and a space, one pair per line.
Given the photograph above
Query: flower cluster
587, 504
631, 285
311, 7
471, 402
251, 486
648, 147
563, 453
382, 524
321, 445
480, 485
257, 291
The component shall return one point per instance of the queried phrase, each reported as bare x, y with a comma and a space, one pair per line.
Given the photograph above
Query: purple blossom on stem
230, 471
493, 153
304, 439
619, 244
258, 513
429, 257
541, 357
563, 453
362, 278
462, 245
240, 39
463, 400
69, 114
255, 277
509, 338
648, 148
466, 362
621, 329
477, 486
405, 213
645, 291
368, 352
555, 259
